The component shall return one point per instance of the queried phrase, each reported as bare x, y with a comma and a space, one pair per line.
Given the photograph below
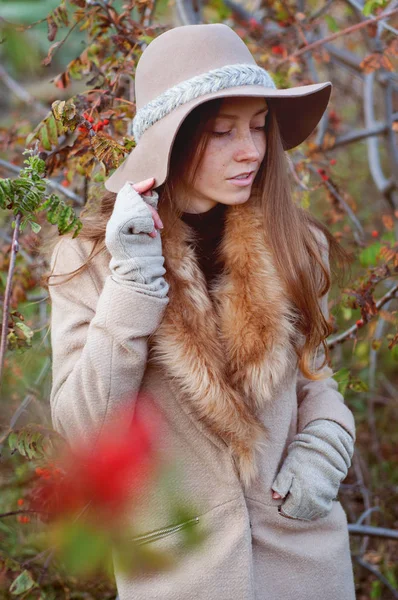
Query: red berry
20, 501
106, 121
65, 183
24, 519
375, 233
359, 323
82, 128
333, 161
20, 518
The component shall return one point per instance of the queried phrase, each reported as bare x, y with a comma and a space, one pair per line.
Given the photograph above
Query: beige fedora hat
189, 65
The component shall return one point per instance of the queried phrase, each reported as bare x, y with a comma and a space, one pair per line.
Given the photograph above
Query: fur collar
230, 347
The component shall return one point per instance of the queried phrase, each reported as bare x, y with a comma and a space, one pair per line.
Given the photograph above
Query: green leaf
83, 548
12, 441
371, 5
22, 583
368, 256
357, 385
394, 353
342, 377
35, 227
331, 23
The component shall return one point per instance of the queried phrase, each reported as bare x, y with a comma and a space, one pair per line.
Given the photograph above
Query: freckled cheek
213, 167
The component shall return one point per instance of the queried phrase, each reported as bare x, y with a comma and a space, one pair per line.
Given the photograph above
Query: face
236, 146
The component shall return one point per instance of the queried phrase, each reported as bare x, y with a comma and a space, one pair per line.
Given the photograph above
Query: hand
136, 258
318, 460
151, 199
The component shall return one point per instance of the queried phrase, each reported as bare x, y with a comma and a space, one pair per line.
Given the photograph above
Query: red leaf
48, 59
52, 28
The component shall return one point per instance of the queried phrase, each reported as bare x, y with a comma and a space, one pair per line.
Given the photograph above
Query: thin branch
7, 293
377, 573
350, 333
20, 92
336, 35
23, 511
359, 465
359, 6
25, 403
347, 209
384, 185
366, 513
381, 532
359, 134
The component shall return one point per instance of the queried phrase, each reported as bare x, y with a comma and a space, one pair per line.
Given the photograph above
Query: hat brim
298, 110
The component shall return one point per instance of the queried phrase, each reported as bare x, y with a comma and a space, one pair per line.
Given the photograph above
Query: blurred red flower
107, 474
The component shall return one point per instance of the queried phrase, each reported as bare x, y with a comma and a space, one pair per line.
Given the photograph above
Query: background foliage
66, 95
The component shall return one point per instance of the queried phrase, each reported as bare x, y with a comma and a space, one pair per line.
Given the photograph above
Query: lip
243, 182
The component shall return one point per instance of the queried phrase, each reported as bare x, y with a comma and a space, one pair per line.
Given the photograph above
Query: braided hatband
212, 81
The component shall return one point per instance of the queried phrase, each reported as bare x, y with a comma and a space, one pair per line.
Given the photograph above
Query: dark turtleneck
209, 227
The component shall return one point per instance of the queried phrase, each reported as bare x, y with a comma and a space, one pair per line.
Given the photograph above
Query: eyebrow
225, 116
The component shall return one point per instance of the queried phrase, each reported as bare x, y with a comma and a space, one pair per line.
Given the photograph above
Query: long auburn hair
295, 249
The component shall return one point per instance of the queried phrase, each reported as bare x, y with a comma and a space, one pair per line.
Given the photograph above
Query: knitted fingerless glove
136, 258
318, 460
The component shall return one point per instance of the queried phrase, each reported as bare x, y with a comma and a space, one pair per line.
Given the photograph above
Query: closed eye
221, 133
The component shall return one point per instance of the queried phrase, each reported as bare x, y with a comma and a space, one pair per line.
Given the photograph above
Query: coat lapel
230, 347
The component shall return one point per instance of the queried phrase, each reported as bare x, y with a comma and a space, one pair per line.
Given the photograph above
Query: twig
384, 185
359, 134
377, 573
23, 511
376, 448
51, 183
21, 93
383, 532
357, 462
366, 513
336, 35
348, 210
25, 403
359, 7
7, 294
350, 332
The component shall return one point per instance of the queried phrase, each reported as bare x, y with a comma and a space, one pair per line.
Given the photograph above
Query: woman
216, 305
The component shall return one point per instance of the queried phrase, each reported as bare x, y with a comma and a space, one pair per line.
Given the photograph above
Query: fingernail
161, 224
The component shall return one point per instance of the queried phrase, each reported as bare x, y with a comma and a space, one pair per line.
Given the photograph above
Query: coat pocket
158, 534
315, 518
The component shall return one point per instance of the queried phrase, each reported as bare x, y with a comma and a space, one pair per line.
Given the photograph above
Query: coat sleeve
99, 344
321, 399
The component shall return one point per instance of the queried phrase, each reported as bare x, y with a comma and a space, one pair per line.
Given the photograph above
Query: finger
153, 233
283, 481
276, 495
143, 186
155, 217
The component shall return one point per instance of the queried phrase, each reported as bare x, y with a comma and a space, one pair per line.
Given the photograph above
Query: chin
239, 199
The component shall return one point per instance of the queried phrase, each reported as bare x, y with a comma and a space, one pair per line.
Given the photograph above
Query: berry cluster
22, 518
96, 127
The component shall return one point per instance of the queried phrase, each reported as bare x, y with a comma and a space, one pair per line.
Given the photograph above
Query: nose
247, 148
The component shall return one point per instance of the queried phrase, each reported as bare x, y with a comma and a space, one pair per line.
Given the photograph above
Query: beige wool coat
219, 364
